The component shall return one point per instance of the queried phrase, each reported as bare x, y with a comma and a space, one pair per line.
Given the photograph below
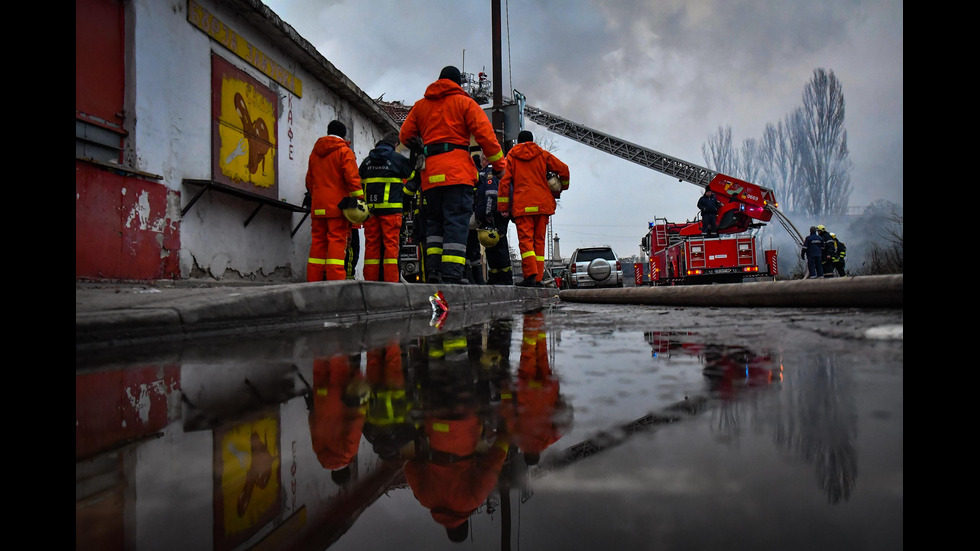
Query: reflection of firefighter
453, 467
388, 426
337, 412
536, 412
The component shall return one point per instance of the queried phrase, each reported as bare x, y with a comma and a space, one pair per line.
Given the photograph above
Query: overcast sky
664, 74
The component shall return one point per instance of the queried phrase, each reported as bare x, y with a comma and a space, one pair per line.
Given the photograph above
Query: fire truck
680, 253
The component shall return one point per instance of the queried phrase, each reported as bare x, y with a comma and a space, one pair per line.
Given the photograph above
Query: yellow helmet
355, 210
488, 237
821, 227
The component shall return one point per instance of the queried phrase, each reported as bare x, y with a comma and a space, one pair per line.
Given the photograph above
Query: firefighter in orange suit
444, 120
536, 412
383, 173
455, 471
337, 412
454, 464
525, 195
332, 176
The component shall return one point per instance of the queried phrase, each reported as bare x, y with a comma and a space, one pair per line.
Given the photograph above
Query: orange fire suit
456, 480
524, 194
444, 120
331, 176
537, 396
335, 426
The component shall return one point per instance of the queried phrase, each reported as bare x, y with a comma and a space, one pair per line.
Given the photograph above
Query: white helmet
553, 182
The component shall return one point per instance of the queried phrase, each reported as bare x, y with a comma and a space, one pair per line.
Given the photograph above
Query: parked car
594, 267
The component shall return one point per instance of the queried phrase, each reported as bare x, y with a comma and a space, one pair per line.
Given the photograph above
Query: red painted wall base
123, 227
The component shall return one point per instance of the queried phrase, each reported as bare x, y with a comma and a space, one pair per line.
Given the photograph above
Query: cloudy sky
664, 74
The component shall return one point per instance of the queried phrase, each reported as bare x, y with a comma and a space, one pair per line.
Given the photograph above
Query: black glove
803, 254
347, 203
307, 200
414, 144
411, 187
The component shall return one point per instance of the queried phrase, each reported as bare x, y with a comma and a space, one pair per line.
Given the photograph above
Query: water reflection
822, 427
456, 460
289, 450
817, 422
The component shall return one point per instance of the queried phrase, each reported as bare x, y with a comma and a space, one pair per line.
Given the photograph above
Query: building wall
169, 127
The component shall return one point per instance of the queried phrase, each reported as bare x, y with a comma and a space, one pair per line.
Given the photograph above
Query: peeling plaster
141, 403
173, 211
140, 211
141, 214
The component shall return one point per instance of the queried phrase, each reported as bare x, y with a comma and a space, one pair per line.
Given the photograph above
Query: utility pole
498, 126
498, 95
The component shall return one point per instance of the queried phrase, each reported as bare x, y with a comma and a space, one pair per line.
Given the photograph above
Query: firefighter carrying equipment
355, 210
488, 237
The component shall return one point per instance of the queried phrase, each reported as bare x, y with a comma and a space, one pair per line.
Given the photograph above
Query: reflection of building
211, 179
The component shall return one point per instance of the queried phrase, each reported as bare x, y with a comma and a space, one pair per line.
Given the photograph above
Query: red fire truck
681, 254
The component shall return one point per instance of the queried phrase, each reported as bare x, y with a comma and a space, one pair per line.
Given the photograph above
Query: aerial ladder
746, 205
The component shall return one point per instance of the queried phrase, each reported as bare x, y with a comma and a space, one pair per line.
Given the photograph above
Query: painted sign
244, 133
225, 35
247, 480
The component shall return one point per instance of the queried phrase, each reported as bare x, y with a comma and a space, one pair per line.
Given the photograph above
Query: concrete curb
863, 291
230, 309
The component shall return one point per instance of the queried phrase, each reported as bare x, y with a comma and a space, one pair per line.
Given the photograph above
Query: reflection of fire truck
728, 368
679, 253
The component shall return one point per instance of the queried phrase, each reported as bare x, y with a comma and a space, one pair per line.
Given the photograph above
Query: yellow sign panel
205, 21
246, 143
248, 484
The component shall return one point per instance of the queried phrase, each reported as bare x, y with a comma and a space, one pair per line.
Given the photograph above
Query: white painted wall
171, 136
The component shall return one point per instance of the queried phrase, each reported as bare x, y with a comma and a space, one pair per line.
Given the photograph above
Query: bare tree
719, 154
884, 223
750, 166
777, 163
821, 142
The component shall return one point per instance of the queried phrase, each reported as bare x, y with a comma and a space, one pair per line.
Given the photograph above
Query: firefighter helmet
553, 182
488, 237
355, 210
821, 227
